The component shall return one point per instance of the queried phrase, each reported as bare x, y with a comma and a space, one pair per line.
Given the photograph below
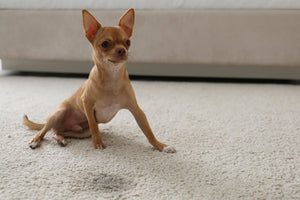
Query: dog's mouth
115, 61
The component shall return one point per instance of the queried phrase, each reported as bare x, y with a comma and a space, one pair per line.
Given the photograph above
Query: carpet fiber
234, 141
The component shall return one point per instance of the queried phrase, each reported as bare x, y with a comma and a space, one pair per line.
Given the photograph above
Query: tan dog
106, 91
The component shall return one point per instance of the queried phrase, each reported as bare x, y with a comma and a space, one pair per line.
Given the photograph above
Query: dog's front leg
142, 121
88, 106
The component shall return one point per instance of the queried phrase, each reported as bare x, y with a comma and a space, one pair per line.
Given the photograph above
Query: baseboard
147, 69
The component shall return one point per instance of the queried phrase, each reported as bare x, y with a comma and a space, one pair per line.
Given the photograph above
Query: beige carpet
234, 141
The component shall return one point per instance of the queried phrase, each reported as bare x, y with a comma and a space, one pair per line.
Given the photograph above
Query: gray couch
197, 43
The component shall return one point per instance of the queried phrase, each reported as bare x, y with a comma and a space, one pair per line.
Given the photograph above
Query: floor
234, 140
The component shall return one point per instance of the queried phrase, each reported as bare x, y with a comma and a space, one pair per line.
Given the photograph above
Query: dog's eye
105, 44
128, 42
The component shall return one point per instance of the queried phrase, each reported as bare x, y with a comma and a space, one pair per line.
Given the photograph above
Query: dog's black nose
121, 51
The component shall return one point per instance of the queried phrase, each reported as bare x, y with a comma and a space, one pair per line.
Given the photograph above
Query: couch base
143, 69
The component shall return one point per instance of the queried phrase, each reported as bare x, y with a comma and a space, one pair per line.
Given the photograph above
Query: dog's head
110, 44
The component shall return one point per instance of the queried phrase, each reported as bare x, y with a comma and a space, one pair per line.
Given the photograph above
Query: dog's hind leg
60, 139
36, 141
60, 136
52, 122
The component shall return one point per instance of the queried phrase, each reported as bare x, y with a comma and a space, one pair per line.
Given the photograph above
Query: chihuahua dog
103, 94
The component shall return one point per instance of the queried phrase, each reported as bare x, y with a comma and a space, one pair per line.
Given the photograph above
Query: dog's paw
34, 144
169, 149
62, 142
99, 146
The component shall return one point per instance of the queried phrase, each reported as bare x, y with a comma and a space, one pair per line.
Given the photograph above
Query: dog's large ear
127, 22
90, 25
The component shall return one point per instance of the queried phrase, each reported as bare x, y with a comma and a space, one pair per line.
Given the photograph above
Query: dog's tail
31, 124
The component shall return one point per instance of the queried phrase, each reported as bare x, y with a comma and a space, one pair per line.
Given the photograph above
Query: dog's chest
104, 112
